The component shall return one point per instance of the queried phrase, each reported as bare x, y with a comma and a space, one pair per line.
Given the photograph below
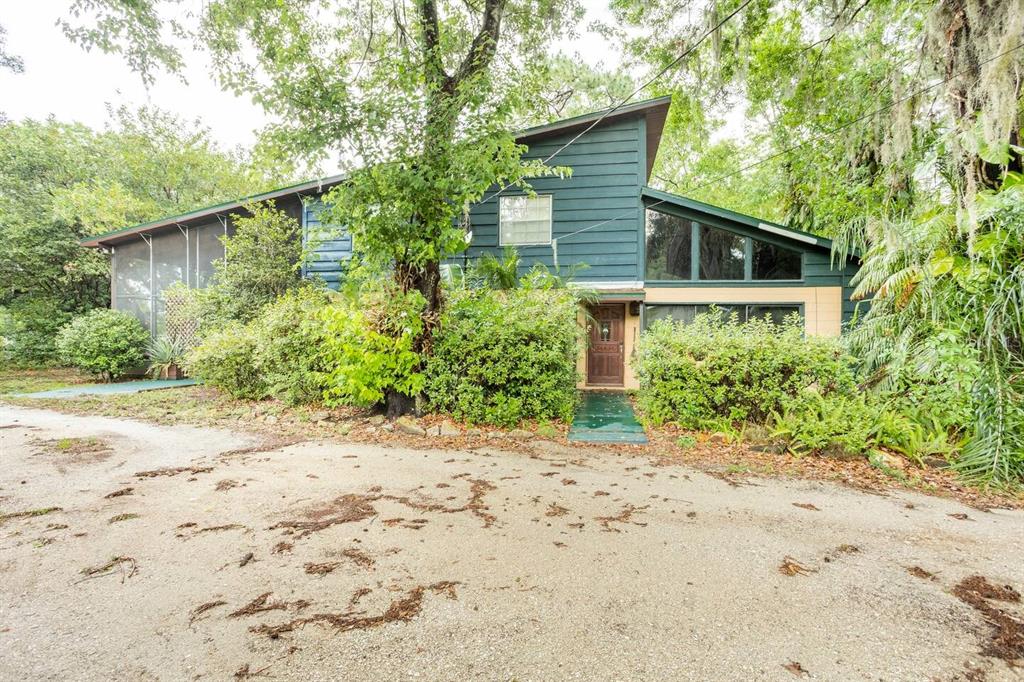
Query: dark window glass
686, 312
772, 262
721, 254
668, 247
776, 313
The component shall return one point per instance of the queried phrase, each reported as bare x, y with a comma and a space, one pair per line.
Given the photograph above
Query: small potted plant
164, 356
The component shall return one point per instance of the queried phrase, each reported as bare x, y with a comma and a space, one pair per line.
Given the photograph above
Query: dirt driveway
185, 553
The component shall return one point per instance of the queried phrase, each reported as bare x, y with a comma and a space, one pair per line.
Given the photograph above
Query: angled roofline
206, 212
655, 109
646, 106
750, 221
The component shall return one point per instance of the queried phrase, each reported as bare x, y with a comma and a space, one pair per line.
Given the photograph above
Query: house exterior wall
330, 247
608, 169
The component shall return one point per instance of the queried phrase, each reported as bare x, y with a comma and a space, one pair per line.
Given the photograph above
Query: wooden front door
605, 358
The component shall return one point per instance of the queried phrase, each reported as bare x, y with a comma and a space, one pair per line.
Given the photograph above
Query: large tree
417, 98
61, 182
887, 124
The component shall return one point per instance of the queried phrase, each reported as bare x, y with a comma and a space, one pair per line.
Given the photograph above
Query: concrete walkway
606, 418
110, 389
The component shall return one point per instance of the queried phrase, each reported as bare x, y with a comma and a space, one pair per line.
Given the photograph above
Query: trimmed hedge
501, 357
717, 370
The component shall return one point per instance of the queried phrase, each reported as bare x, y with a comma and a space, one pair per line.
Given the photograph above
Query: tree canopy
62, 182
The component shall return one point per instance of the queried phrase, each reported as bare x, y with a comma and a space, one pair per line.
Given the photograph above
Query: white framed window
524, 220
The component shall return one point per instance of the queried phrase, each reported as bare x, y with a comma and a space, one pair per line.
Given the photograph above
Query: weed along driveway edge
139, 551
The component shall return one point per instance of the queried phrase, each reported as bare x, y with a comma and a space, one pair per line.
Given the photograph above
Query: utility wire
833, 131
671, 65
819, 136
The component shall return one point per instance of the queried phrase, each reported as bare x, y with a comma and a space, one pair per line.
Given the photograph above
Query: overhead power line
608, 112
828, 133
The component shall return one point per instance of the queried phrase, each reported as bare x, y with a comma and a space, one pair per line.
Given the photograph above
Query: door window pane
773, 262
721, 254
669, 249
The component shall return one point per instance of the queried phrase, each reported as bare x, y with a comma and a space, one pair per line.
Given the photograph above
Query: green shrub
107, 343
261, 260
225, 359
504, 356
30, 331
289, 338
716, 368
367, 348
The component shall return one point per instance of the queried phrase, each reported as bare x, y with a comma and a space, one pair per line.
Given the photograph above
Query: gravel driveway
185, 553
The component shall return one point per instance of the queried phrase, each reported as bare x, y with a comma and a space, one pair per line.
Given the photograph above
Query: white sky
62, 79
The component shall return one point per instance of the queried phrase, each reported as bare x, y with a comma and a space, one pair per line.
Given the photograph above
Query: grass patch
33, 380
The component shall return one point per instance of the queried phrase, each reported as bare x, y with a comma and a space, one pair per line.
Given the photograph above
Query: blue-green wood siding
607, 173
332, 246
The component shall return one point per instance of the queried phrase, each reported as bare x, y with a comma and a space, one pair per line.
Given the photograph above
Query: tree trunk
440, 126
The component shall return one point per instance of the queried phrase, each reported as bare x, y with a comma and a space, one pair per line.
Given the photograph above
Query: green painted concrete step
606, 418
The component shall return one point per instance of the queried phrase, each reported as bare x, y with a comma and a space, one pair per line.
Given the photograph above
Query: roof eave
108, 238
743, 219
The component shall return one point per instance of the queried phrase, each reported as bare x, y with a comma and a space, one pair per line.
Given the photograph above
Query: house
649, 254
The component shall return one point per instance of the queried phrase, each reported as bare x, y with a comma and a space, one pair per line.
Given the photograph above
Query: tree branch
431, 47
485, 44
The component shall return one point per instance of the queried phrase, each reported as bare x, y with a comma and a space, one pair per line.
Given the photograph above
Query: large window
721, 254
774, 312
669, 247
679, 249
525, 220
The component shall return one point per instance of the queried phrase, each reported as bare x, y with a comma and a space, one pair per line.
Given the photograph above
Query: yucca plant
164, 357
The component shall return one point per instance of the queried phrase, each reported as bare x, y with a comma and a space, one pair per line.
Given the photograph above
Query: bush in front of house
225, 360
500, 357
717, 370
368, 346
106, 343
277, 354
289, 338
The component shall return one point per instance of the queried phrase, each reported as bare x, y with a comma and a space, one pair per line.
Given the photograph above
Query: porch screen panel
132, 286
209, 248
169, 266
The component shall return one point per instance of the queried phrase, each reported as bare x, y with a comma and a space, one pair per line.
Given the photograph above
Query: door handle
620, 347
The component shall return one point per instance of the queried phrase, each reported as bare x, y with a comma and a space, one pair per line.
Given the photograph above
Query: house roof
655, 111
750, 221
204, 214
